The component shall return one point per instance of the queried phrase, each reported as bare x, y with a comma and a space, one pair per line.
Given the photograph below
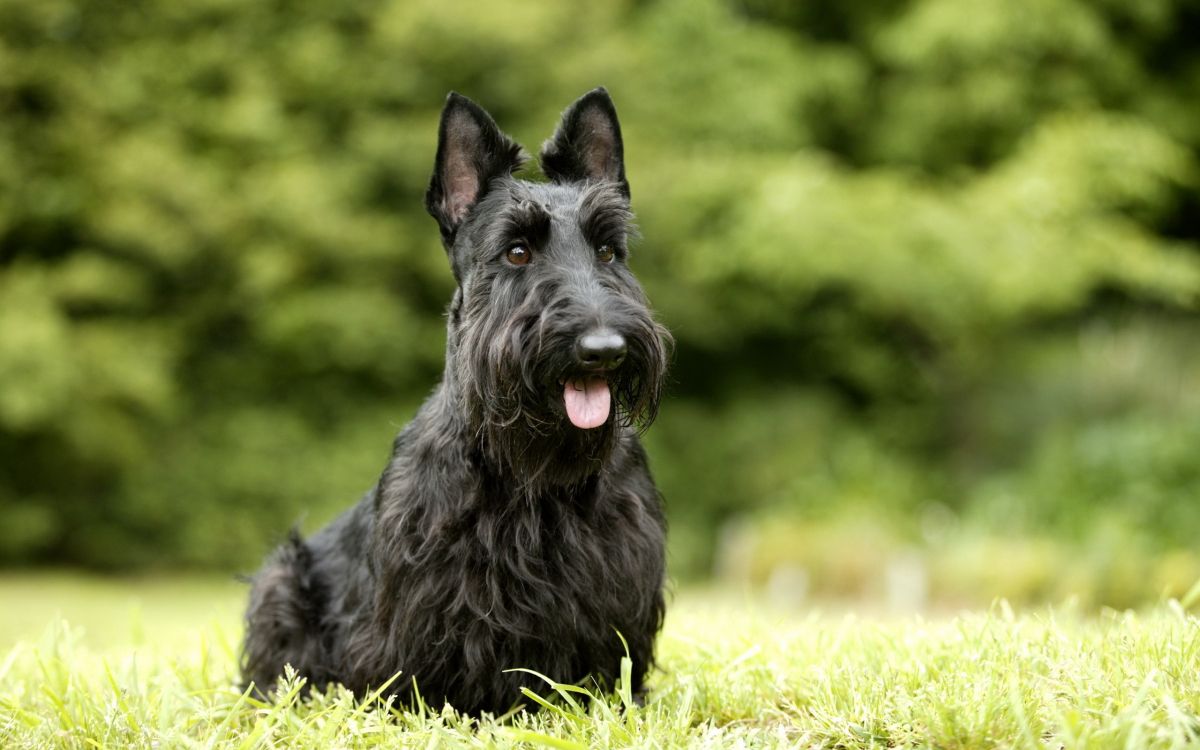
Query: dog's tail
284, 619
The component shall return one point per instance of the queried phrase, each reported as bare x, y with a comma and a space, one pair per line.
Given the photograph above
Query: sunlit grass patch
119, 611
734, 673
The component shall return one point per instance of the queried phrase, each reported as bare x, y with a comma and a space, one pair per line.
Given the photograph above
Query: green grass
735, 674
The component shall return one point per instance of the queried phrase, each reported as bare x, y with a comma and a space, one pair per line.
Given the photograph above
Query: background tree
930, 258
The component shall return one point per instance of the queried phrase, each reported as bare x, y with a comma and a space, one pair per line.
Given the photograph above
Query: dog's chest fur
496, 580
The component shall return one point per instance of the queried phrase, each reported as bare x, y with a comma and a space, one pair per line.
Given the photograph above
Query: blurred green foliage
920, 257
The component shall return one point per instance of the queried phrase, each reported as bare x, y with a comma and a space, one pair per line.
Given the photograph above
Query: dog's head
552, 346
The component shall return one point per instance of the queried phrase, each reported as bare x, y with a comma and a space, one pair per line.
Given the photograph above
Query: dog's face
551, 345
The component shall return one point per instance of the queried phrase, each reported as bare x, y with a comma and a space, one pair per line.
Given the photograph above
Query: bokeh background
933, 267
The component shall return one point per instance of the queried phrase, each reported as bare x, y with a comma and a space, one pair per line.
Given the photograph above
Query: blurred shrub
879, 231
858, 557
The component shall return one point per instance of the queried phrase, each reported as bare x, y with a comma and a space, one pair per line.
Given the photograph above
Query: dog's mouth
587, 400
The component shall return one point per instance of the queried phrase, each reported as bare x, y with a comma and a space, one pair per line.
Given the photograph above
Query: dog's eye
605, 253
518, 255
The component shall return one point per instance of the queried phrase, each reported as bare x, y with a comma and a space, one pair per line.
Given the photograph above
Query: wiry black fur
500, 535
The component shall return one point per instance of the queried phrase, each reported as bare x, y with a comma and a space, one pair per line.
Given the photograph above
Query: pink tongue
587, 402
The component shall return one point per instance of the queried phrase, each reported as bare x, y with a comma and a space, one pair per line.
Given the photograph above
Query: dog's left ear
471, 152
587, 144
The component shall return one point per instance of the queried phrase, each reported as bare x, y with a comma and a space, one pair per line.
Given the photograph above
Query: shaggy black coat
500, 535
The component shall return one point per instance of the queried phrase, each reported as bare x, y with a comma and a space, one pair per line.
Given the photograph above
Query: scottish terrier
516, 525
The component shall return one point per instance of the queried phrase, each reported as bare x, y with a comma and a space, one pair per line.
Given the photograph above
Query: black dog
516, 524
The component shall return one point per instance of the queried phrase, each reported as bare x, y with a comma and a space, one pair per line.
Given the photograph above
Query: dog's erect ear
471, 153
587, 144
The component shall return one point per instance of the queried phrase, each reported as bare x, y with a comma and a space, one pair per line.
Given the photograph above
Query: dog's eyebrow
526, 219
604, 214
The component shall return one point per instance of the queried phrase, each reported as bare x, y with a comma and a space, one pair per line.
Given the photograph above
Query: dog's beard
514, 381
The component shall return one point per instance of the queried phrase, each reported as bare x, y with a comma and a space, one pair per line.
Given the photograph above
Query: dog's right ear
587, 144
471, 153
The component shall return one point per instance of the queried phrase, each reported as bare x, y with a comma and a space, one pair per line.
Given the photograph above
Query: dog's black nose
601, 349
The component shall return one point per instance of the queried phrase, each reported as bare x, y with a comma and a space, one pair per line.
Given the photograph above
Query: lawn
151, 663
